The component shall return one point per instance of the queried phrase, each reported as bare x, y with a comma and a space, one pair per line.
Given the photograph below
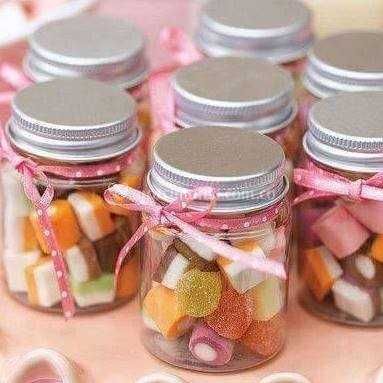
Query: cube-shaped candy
210, 348
149, 322
15, 265
82, 261
241, 277
64, 224
19, 235
340, 232
162, 307
95, 292
369, 213
42, 286
15, 202
364, 270
92, 213
233, 316
377, 248
320, 271
265, 338
198, 293
268, 298
362, 304
128, 278
197, 247
110, 246
307, 217
172, 267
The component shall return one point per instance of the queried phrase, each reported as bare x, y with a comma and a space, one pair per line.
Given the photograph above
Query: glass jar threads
201, 310
280, 31
96, 47
340, 216
246, 93
74, 137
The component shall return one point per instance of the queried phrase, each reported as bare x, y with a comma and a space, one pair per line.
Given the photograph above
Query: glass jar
270, 29
200, 310
346, 62
83, 134
340, 235
246, 93
96, 47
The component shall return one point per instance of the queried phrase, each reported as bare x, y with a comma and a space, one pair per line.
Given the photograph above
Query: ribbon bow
175, 214
182, 52
322, 183
30, 173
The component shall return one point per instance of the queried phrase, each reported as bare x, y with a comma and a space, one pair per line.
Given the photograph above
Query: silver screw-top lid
345, 132
279, 30
73, 120
236, 92
347, 62
96, 47
246, 168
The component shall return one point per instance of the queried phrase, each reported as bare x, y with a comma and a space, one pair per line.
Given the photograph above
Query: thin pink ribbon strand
181, 52
30, 173
175, 214
15, 78
322, 183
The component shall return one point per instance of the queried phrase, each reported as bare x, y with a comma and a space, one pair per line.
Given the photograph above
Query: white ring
59, 363
285, 377
160, 377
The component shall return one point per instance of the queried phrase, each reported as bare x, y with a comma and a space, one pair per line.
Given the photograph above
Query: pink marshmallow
340, 232
369, 213
307, 216
210, 348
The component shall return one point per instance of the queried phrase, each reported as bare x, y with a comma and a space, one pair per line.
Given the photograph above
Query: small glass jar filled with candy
345, 62
280, 31
246, 93
97, 47
340, 213
66, 142
204, 306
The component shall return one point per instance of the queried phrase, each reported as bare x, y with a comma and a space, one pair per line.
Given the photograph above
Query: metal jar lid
236, 92
346, 132
73, 120
246, 168
96, 47
279, 30
347, 62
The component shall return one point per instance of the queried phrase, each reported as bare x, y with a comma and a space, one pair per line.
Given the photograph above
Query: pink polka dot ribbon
176, 214
181, 52
322, 183
31, 175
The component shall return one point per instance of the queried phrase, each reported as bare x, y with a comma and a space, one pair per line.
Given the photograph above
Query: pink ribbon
30, 173
15, 78
322, 183
176, 215
182, 52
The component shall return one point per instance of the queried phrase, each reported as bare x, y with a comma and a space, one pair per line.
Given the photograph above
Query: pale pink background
107, 347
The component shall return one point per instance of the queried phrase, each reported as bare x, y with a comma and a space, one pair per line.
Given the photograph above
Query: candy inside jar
281, 33
78, 149
340, 216
202, 310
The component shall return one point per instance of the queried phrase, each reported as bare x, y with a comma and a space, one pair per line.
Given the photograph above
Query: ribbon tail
236, 255
122, 256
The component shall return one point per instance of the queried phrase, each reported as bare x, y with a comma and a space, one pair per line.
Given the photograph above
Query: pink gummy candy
210, 348
368, 213
340, 232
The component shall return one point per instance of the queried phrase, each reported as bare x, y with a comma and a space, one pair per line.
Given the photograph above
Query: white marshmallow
46, 284
15, 265
199, 248
353, 300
